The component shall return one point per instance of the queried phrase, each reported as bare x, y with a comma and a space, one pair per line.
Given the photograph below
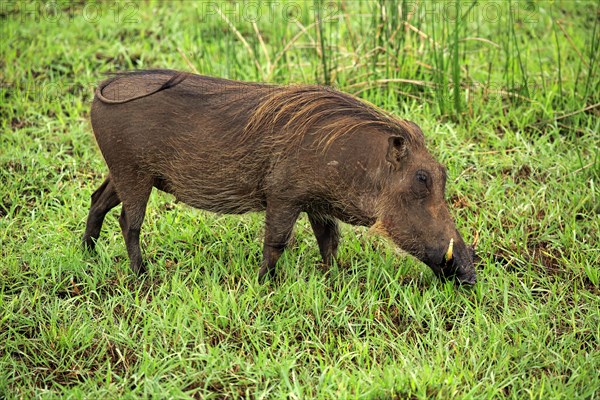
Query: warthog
234, 147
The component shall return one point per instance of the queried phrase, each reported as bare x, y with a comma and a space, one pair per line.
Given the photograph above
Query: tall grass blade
325, 62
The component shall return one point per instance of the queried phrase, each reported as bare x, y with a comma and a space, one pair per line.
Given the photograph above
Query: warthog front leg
327, 232
279, 224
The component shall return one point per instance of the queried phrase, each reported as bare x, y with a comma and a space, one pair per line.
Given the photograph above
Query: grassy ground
507, 95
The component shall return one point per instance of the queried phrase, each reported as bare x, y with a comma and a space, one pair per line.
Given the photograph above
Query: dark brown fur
234, 147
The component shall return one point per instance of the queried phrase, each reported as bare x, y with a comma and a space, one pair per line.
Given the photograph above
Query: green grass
508, 100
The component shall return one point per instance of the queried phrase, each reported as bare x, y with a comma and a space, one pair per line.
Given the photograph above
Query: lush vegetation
508, 96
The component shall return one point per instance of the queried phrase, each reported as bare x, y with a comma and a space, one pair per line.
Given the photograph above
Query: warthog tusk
449, 252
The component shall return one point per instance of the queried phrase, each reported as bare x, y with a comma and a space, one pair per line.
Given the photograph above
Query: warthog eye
422, 182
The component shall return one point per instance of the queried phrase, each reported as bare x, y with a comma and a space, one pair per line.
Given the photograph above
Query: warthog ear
397, 150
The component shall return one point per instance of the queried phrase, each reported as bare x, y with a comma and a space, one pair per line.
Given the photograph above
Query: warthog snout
457, 263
